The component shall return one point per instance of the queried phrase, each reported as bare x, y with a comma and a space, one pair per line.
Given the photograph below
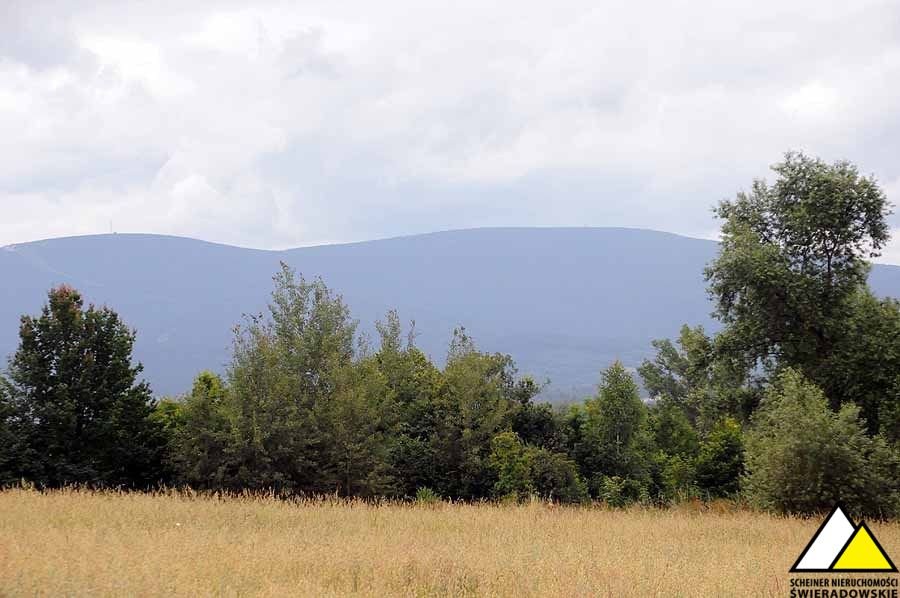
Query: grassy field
79, 543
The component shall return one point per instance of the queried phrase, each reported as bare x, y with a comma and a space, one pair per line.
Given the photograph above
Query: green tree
356, 423
168, 416
512, 462
613, 421
313, 332
201, 434
864, 365
801, 457
890, 414
273, 437
672, 430
168, 413
83, 418
414, 382
472, 406
10, 450
554, 476
619, 492
704, 383
720, 462
523, 470
536, 423
678, 474
791, 266
677, 374
283, 369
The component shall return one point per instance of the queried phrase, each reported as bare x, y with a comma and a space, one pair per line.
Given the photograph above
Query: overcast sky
306, 122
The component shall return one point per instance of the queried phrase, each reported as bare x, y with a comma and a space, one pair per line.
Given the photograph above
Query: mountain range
564, 302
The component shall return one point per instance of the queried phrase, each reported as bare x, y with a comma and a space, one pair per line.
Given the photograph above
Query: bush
620, 492
677, 475
512, 462
554, 476
803, 458
524, 470
427, 496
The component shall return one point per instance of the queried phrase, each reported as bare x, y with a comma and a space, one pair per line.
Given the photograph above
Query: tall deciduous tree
83, 416
613, 421
792, 264
414, 383
356, 422
284, 368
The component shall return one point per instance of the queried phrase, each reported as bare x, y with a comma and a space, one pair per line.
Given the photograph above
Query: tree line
793, 405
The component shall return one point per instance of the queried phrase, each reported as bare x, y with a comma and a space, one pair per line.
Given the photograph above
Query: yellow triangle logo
839, 546
862, 553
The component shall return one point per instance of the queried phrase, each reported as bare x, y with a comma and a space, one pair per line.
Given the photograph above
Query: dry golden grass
108, 544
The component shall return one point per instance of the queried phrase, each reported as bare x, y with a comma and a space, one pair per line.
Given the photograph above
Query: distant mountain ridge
564, 302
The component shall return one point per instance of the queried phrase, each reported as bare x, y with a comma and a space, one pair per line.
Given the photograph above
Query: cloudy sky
306, 122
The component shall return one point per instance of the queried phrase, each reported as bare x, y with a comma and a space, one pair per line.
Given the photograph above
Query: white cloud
137, 61
286, 124
813, 101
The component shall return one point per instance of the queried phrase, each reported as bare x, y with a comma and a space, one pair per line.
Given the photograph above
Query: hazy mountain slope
563, 302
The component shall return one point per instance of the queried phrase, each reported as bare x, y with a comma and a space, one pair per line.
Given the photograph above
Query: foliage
427, 496
612, 422
619, 492
864, 363
790, 271
795, 403
890, 414
524, 470
554, 476
355, 425
672, 430
200, 439
80, 415
804, 458
678, 474
10, 449
703, 382
473, 405
168, 414
274, 425
720, 462
414, 382
302, 412
512, 461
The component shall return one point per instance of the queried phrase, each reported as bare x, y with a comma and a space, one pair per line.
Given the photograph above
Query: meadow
72, 543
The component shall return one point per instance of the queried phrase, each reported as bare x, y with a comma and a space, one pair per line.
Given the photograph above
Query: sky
297, 123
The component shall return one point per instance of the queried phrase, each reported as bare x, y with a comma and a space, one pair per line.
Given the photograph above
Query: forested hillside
562, 302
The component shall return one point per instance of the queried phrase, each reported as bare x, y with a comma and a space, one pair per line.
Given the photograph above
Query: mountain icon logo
838, 546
